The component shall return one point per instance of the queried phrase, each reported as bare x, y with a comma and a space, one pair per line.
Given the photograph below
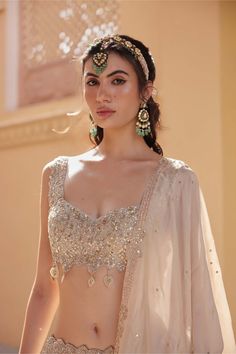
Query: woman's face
113, 96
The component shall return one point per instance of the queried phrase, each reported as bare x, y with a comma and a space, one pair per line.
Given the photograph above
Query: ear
147, 91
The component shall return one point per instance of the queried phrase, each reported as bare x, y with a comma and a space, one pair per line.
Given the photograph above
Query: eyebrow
109, 75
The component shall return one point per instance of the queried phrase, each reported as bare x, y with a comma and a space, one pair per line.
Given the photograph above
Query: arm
44, 296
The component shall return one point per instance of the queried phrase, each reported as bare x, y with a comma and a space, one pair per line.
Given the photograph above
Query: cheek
130, 92
89, 96
130, 99
128, 102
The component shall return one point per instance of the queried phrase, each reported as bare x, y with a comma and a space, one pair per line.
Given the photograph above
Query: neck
121, 144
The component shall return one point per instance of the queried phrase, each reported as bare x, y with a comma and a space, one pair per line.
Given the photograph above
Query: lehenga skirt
55, 345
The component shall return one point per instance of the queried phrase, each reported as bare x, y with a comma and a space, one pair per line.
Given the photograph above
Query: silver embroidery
76, 239
55, 345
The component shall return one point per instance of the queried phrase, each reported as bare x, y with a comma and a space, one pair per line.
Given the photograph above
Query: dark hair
152, 106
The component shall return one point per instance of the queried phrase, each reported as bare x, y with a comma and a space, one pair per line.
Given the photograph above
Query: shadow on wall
5, 349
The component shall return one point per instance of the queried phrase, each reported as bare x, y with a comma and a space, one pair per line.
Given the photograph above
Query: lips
105, 110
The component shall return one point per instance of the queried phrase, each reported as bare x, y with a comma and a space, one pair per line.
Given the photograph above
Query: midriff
88, 315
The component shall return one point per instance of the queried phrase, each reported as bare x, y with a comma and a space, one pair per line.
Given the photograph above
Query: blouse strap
56, 179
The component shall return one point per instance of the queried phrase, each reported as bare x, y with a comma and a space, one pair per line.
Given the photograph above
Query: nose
103, 94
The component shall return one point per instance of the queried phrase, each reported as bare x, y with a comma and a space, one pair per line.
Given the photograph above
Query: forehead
114, 62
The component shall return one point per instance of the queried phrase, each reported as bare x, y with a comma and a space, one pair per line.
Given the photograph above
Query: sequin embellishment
76, 239
55, 345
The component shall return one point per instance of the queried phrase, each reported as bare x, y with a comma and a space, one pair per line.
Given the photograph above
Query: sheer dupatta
176, 301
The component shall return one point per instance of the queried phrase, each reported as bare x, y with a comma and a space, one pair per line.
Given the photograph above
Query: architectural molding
26, 127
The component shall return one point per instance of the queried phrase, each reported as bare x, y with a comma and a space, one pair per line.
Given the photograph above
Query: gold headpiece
100, 58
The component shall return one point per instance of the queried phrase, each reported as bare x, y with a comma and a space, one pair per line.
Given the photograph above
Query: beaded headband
100, 58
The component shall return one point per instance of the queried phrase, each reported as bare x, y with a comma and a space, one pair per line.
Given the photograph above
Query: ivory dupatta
173, 298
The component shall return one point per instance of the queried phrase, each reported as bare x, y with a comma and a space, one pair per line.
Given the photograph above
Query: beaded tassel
93, 130
108, 279
54, 272
91, 280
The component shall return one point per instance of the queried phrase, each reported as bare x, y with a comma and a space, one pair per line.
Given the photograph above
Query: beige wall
228, 126
192, 44
2, 59
184, 39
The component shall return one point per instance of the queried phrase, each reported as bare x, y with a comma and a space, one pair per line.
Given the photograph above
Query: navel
95, 328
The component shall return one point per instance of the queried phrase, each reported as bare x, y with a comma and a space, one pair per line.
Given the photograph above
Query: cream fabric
174, 299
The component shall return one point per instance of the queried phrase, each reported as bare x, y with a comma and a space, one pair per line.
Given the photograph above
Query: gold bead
54, 272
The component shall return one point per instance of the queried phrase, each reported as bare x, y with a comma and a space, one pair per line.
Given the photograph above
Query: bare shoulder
85, 156
88, 155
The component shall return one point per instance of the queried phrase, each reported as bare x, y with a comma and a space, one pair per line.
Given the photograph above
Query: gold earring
143, 123
93, 130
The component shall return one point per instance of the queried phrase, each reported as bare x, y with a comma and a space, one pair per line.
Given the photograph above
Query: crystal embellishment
54, 272
77, 239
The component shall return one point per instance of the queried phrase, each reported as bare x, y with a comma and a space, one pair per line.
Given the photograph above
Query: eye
91, 82
119, 81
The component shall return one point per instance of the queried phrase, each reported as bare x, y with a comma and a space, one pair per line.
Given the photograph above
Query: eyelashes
119, 81
116, 82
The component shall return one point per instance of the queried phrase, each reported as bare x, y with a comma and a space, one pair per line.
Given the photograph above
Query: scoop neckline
117, 209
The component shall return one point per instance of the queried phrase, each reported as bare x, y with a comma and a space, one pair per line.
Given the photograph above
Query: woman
125, 238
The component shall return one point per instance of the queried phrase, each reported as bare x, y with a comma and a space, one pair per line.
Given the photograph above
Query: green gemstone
93, 131
99, 69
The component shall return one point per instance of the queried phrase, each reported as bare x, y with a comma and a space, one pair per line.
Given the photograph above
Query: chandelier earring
143, 123
93, 130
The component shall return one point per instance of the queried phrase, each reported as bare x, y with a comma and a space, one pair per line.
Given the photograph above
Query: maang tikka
143, 123
93, 130
100, 59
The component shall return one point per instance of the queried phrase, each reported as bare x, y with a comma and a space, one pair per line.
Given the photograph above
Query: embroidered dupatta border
131, 265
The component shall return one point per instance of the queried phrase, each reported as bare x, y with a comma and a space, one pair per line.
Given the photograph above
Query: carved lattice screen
51, 32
